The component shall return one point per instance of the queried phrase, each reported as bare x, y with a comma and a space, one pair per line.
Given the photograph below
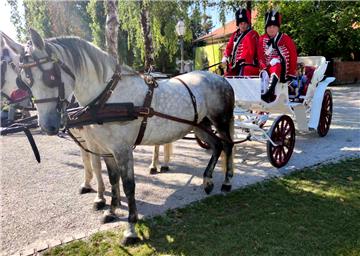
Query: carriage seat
309, 72
19, 95
315, 67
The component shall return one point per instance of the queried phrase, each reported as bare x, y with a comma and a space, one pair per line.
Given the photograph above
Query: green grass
311, 212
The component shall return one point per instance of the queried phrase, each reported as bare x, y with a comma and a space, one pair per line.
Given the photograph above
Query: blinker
20, 84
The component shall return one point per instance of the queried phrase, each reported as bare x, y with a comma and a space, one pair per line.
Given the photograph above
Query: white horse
84, 70
92, 163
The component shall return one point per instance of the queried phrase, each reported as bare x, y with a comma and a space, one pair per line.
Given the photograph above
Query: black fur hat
272, 17
242, 15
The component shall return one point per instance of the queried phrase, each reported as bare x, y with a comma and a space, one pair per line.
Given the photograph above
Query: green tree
96, 11
163, 18
52, 18
325, 28
16, 19
36, 16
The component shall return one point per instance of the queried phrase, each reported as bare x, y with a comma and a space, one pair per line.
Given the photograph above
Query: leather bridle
51, 78
6, 61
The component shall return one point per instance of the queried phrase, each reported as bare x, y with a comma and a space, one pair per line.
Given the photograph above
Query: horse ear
14, 46
36, 39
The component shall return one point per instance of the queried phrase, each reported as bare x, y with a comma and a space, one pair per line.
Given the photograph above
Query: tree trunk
112, 28
145, 25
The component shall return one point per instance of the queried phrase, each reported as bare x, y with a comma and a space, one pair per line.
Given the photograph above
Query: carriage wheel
325, 114
282, 132
201, 143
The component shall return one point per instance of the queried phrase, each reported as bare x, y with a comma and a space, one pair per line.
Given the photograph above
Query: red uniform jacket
241, 48
282, 47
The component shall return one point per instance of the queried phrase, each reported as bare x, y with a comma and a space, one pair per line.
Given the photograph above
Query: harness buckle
145, 111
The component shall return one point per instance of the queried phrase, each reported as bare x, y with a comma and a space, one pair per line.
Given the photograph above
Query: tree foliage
329, 28
163, 18
325, 28
15, 18
36, 16
53, 18
96, 11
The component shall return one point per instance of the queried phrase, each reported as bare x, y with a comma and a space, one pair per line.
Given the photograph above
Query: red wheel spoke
277, 153
283, 135
283, 124
287, 131
283, 152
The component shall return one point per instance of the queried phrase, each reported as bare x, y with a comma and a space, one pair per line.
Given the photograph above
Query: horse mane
128, 69
76, 50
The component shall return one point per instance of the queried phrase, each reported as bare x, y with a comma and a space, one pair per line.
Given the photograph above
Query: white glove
264, 75
224, 59
264, 81
274, 61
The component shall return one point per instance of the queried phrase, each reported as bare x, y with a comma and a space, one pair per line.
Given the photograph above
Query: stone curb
38, 247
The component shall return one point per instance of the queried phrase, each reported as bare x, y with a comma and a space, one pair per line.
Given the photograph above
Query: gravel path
41, 206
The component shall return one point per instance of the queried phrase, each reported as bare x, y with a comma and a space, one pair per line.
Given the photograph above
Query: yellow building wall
208, 55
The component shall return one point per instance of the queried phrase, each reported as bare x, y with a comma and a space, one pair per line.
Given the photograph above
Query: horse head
49, 79
9, 65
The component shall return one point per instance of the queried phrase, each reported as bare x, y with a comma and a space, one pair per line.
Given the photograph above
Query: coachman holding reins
240, 52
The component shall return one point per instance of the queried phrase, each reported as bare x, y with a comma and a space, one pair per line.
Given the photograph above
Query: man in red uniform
240, 52
277, 55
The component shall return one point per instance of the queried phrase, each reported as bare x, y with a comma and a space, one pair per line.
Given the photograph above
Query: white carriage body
307, 113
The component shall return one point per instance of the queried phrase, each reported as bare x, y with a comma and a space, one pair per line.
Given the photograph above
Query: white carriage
312, 110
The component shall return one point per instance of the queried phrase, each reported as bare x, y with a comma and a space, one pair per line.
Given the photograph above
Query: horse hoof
225, 188
108, 218
85, 190
164, 168
209, 187
153, 170
99, 205
130, 241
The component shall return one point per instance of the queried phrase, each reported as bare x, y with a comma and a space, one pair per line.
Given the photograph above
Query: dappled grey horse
84, 70
92, 163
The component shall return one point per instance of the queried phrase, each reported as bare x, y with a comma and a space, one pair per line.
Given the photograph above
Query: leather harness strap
152, 84
100, 101
112, 112
193, 99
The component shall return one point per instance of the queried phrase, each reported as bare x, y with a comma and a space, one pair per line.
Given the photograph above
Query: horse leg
167, 153
229, 172
99, 202
229, 156
216, 147
114, 178
155, 160
225, 127
86, 187
125, 162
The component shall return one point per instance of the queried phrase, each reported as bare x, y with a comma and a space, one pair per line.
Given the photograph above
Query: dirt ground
41, 206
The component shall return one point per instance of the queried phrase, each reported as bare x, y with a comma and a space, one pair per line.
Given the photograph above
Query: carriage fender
317, 102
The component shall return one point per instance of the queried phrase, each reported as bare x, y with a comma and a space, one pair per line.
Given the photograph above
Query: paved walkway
41, 207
